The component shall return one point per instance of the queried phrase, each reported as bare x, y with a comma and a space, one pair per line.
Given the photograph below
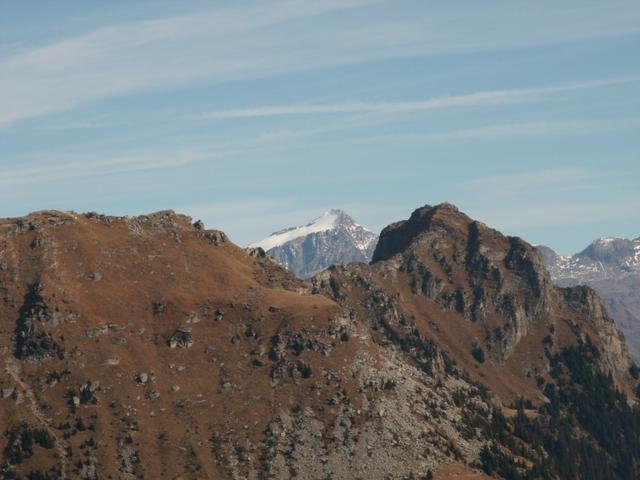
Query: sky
257, 115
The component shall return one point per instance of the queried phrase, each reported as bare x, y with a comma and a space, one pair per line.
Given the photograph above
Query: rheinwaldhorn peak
333, 237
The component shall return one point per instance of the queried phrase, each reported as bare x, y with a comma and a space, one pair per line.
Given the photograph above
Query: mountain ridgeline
152, 347
334, 237
612, 267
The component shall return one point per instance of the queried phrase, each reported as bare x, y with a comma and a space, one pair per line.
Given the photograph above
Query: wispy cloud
532, 186
236, 208
247, 220
524, 129
216, 45
77, 165
484, 98
526, 187
533, 179
119, 163
555, 214
44, 167
254, 39
493, 132
569, 196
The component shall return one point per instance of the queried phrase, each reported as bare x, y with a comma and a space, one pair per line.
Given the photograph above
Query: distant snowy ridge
333, 237
611, 265
605, 257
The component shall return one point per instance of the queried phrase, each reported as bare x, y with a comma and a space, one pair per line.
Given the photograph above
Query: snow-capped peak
333, 237
327, 221
606, 240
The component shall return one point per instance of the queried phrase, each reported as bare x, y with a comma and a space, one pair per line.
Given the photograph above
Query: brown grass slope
149, 347
111, 293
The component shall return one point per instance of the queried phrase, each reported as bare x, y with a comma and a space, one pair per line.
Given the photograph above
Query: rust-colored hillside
149, 347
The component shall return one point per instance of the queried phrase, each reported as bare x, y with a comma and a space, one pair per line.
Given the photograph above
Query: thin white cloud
69, 166
217, 45
236, 208
44, 167
555, 214
254, 40
483, 133
131, 162
528, 187
532, 179
525, 129
246, 221
564, 197
485, 98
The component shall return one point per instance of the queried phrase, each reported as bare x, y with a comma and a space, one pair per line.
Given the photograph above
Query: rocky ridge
466, 285
151, 347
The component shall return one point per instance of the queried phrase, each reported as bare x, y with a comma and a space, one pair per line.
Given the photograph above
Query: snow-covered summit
606, 240
333, 237
327, 221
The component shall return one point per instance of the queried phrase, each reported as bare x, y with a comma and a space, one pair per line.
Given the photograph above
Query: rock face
612, 267
334, 237
151, 347
497, 285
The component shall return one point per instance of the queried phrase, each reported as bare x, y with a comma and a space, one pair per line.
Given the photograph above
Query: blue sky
258, 115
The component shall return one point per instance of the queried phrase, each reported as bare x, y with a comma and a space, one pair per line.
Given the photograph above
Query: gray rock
181, 338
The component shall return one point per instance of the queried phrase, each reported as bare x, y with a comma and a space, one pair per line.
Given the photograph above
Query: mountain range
333, 237
153, 347
612, 267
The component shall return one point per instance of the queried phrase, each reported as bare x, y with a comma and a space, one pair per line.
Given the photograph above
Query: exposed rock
6, 392
33, 340
198, 225
215, 237
256, 252
181, 338
95, 276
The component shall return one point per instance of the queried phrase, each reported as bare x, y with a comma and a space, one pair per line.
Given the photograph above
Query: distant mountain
612, 267
333, 237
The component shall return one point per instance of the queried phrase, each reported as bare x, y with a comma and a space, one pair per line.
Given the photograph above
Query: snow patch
607, 240
327, 221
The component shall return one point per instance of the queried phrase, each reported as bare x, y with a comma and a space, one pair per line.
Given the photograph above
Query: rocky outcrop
495, 287
613, 350
33, 338
466, 267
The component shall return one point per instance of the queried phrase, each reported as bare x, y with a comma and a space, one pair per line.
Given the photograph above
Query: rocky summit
334, 237
612, 267
152, 347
